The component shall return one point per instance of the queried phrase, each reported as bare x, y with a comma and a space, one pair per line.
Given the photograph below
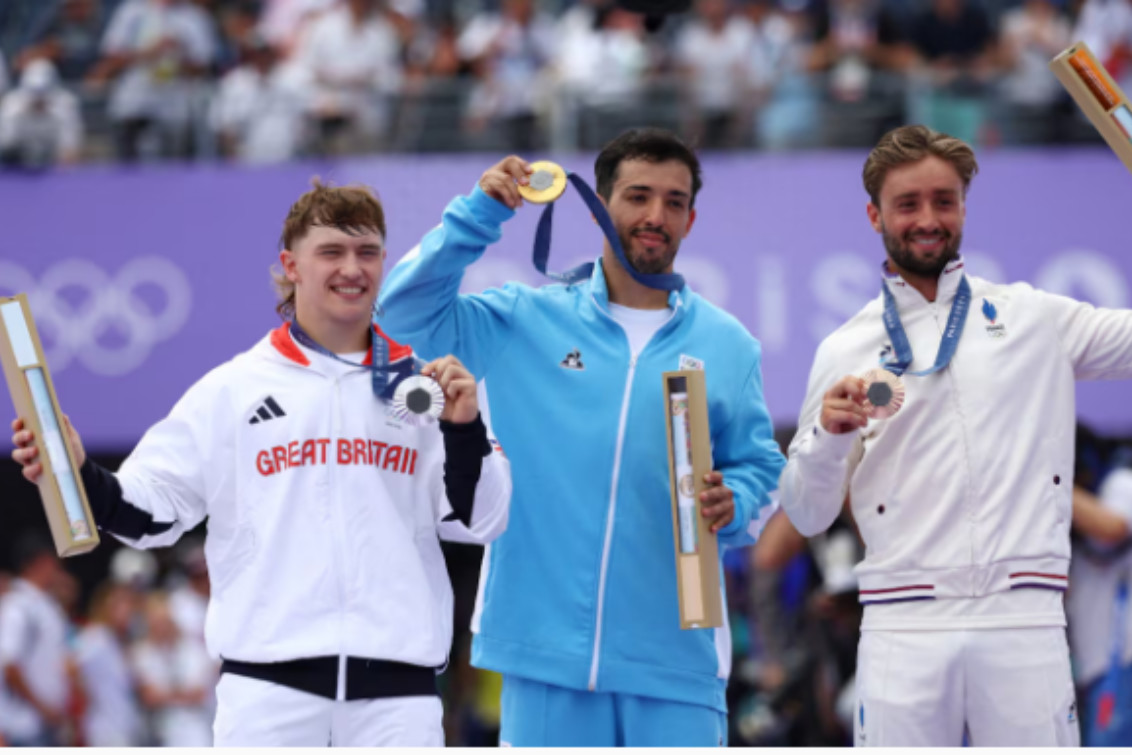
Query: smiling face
920, 216
650, 205
336, 273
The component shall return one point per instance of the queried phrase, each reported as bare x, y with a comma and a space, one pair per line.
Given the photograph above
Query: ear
691, 221
874, 217
287, 260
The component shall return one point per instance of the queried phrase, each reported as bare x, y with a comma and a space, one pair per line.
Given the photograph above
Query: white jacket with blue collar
580, 591
967, 490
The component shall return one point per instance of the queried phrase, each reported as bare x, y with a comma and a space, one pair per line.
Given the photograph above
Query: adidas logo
269, 409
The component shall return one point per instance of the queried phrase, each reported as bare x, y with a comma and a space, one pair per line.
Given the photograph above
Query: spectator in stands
154, 53
433, 101
188, 595
33, 649
857, 54
176, 678
846, 48
113, 715
352, 53
232, 22
1106, 27
40, 121
956, 52
1100, 633
259, 112
3, 73
784, 97
602, 73
711, 54
283, 23
509, 53
70, 40
1032, 34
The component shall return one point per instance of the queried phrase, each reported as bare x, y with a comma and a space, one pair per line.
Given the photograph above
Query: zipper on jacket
608, 542
335, 513
972, 539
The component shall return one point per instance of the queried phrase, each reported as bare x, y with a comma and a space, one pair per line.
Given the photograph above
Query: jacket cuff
465, 446
827, 445
487, 210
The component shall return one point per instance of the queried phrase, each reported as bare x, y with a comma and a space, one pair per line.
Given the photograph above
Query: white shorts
1000, 687
254, 713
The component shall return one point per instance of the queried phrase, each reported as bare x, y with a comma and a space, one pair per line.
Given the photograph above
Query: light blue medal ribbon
948, 344
386, 377
662, 281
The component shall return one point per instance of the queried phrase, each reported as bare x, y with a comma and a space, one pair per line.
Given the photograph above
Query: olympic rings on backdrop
98, 305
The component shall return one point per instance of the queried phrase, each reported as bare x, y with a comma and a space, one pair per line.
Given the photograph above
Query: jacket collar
906, 295
291, 350
600, 288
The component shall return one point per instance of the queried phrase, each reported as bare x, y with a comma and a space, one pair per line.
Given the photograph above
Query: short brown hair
910, 144
654, 145
351, 209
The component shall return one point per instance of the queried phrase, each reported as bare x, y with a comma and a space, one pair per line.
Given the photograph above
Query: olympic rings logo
106, 322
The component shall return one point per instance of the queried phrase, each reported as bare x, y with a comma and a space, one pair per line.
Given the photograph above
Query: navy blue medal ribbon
386, 377
948, 344
662, 281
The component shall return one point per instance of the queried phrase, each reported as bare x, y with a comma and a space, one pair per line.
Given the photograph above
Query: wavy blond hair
910, 144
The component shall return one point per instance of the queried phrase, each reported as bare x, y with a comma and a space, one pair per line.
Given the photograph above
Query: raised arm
420, 302
1097, 340
158, 495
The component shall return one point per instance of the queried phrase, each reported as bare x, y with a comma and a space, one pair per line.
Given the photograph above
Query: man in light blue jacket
578, 597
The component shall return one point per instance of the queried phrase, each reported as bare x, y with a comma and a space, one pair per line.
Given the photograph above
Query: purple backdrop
146, 278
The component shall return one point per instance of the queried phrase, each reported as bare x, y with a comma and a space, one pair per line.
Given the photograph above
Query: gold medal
884, 393
545, 184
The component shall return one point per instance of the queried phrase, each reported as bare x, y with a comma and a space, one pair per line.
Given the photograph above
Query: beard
641, 261
900, 251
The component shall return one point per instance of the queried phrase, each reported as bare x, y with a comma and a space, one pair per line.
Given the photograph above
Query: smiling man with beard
959, 473
579, 604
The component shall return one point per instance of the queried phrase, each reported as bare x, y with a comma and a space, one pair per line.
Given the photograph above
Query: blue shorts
543, 715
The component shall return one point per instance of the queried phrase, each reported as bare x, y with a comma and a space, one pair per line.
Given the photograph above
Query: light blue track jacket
580, 591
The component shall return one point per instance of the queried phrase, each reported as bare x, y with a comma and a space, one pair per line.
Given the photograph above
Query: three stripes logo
268, 410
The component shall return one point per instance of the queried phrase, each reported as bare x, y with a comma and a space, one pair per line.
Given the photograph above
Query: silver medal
417, 400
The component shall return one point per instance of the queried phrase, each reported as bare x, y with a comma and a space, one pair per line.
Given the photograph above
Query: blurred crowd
271, 80
125, 666
122, 661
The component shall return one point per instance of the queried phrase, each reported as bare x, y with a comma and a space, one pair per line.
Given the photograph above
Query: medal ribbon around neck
386, 377
949, 342
662, 281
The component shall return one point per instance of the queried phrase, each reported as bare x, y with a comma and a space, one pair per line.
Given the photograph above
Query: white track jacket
967, 491
323, 510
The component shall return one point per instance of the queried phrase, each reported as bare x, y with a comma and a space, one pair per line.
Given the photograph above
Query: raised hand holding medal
880, 392
459, 403
513, 179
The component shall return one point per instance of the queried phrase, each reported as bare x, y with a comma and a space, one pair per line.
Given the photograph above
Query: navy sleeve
465, 447
113, 513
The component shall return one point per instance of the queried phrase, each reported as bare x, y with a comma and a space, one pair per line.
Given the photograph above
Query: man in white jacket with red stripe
963, 496
331, 607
